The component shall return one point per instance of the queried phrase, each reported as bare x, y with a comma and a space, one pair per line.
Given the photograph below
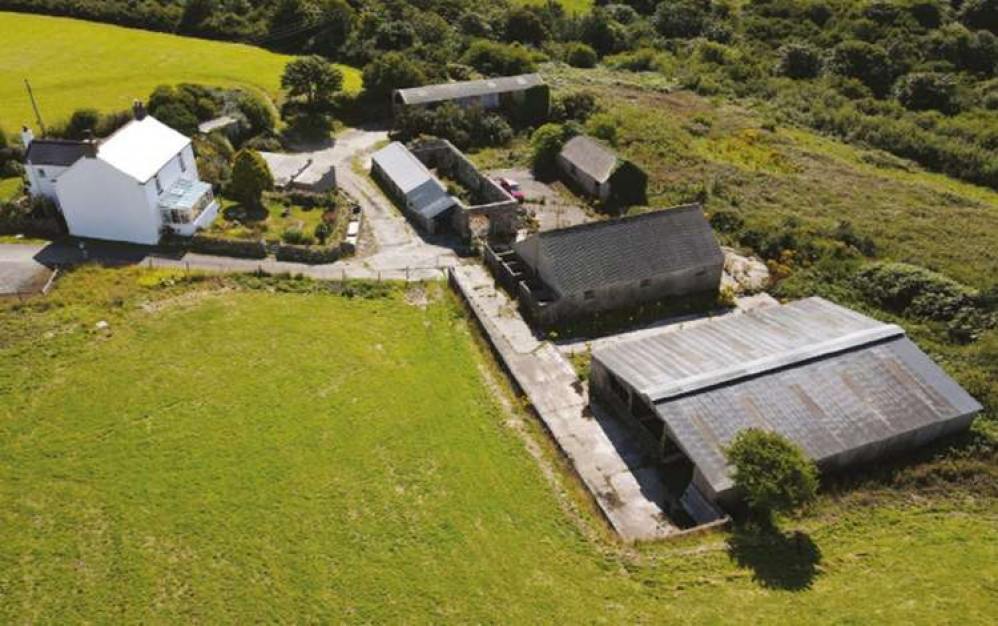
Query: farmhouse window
589, 295
159, 185
183, 163
646, 282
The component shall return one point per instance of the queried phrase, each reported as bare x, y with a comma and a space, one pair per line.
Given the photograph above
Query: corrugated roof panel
830, 403
467, 89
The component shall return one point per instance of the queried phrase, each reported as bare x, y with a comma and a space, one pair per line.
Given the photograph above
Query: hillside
106, 67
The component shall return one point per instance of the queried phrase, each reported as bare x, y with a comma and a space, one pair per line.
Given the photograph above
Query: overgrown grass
9, 188
227, 452
75, 64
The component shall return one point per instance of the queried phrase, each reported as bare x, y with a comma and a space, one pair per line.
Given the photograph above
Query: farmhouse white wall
100, 202
43, 185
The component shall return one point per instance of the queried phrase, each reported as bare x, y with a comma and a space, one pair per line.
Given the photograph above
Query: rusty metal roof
826, 377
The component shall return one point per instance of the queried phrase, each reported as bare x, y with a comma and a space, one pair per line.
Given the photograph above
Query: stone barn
590, 166
846, 388
615, 264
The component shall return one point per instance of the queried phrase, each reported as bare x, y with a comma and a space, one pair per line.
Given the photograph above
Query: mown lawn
74, 64
226, 452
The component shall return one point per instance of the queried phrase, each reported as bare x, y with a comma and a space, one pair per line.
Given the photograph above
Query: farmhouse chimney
26, 136
139, 110
89, 145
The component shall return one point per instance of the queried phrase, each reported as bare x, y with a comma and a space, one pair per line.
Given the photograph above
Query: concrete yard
21, 272
552, 208
628, 486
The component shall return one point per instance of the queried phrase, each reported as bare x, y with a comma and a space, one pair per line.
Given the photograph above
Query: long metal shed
845, 387
414, 187
479, 90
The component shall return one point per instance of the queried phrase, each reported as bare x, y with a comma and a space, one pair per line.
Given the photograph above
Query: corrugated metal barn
846, 388
419, 193
486, 93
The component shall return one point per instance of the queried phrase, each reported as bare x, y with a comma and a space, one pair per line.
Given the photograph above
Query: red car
512, 188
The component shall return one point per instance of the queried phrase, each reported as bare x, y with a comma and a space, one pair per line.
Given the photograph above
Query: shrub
297, 236
680, 18
799, 61
250, 178
259, 114
390, 71
525, 26
207, 244
580, 55
546, 143
322, 232
575, 106
773, 473
603, 126
315, 255
866, 62
497, 59
178, 117
924, 91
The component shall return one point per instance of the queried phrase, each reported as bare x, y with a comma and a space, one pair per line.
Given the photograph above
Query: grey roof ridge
766, 365
558, 232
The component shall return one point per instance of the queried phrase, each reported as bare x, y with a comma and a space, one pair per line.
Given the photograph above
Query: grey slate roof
828, 378
57, 152
627, 249
453, 91
427, 195
590, 156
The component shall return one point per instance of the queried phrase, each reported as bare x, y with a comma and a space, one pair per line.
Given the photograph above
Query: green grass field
75, 64
228, 452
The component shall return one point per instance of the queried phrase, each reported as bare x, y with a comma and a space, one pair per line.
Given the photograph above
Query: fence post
407, 274
379, 276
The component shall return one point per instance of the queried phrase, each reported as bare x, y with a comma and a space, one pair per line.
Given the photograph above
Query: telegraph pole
34, 105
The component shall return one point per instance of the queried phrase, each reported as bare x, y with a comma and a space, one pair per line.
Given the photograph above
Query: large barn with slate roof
846, 388
619, 264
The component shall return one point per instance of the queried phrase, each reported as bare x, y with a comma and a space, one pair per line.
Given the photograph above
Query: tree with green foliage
313, 79
580, 55
799, 61
680, 19
496, 59
600, 31
250, 178
178, 117
196, 13
866, 62
545, 144
322, 232
390, 71
525, 26
773, 473
258, 112
980, 14
924, 91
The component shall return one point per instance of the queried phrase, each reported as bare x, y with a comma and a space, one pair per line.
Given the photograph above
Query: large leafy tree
312, 79
772, 472
392, 70
866, 62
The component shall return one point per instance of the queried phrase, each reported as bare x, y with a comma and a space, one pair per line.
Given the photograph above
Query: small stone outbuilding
590, 166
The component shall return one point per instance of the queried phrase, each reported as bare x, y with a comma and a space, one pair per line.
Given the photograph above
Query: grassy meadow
75, 64
241, 449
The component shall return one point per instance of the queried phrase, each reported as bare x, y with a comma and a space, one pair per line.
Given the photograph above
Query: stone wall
494, 202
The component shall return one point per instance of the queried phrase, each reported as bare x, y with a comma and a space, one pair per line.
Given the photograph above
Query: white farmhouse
129, 187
